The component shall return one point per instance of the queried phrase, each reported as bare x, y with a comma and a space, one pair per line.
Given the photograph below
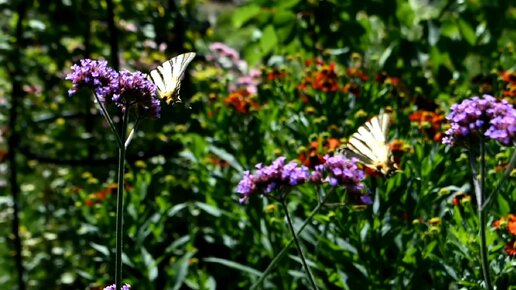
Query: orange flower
215, 160
352, 88
326, 79
242, 101
313, 61
313, 156
510, 248
428, 122
496, 224
511, 91
310, 158
459, 198
89, 202
304, 84
511, 227
358, 73
395, 82
506, 222
509, 76
398, 148
276, 74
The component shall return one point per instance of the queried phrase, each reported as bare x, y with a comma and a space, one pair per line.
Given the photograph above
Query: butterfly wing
369, 144
167, 77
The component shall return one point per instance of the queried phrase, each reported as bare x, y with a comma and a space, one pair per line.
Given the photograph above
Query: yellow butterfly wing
167, 77
369, 145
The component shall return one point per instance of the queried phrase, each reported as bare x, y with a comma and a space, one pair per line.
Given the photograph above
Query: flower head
481, 116
336, 171
326, 79
344, 172
113, 287
278, 175
134, 89
510, 248
125, 89
242, 101
93, 74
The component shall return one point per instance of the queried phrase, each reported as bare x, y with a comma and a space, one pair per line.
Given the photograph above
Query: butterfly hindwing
369, 144
167, 77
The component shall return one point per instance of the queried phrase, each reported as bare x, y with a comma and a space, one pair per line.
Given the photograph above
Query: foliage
325, 68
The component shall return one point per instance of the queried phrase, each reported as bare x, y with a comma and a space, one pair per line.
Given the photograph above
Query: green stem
131, 134
298, 246
120, 203
479, 184
283, 251
110, 121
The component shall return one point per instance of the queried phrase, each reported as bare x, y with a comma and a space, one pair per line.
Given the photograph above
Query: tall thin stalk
120, 203
13, 141
298, 246
479, 185
282, 253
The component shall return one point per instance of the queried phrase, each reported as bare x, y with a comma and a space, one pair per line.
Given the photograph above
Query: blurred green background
185, 228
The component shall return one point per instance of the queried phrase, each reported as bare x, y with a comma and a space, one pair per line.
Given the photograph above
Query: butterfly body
369, 145
167, 77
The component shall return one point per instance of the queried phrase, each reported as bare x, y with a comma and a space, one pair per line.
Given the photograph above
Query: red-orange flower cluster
384, 78
507, 226
276, 74
429, 123
509, 78
357, 73
326, 79
313, 156
100, 195
460, 198
242, 101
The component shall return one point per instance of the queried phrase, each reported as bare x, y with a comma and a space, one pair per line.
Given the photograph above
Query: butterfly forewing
167, 77
369, 144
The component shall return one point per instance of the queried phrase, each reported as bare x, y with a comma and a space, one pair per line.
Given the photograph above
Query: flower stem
479, 184
120, 203
298, 246
283, 251
105, 113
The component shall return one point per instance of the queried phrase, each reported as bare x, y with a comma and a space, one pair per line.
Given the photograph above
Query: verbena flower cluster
125, 89
335, 171
481, 116
113, 287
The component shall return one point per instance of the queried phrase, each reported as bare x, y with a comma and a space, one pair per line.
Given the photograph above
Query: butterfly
167, 77
369, 145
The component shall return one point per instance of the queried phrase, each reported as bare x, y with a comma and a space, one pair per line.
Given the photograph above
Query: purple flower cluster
113, 287
135, 89
336, 171
475, 116
126, 89
96, 75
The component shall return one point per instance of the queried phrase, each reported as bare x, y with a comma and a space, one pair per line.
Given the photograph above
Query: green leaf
285, 4
269, 40
101, 249
150, 265
467, 32
233, 265
244, 14
212, 210
503, 204
181, 270
226, 156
